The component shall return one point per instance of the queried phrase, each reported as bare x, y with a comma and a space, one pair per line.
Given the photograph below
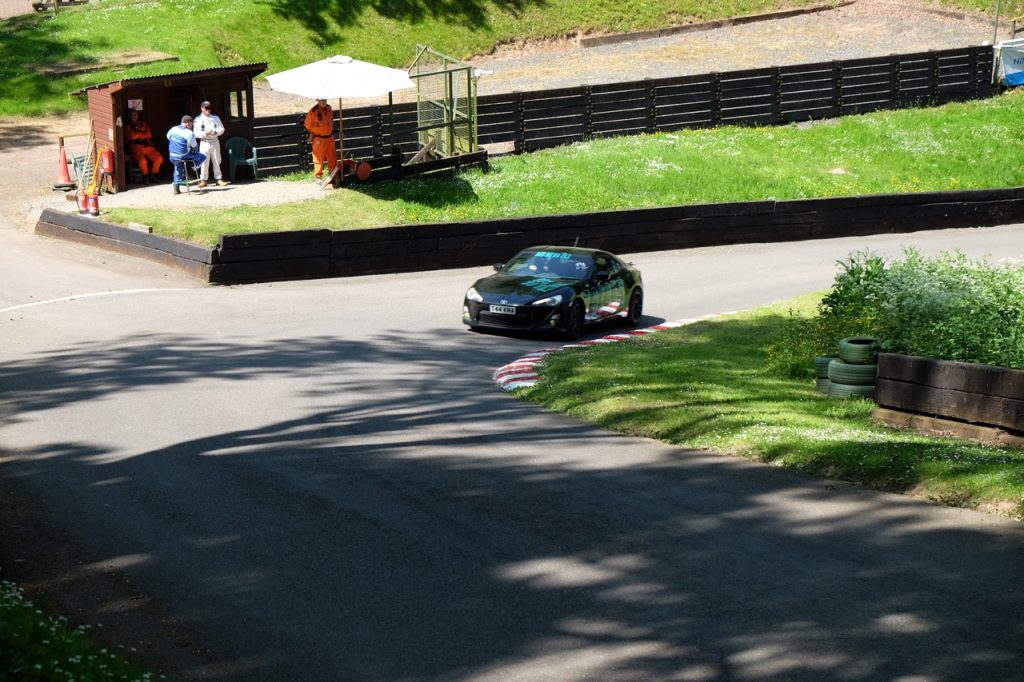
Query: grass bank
287, 33
34, 646
972, 145
706, 386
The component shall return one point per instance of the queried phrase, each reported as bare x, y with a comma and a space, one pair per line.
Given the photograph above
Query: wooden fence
528, 121
978, 394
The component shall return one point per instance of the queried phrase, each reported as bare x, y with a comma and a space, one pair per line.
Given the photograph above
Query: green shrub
954, 309
949, 307
849, 308
857, 290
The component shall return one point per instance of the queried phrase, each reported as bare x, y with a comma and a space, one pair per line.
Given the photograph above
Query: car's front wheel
636, 308
574, 323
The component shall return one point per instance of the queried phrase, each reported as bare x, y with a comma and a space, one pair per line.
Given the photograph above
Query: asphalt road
319, 480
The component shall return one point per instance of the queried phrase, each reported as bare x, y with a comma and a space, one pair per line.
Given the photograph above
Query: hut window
238, 105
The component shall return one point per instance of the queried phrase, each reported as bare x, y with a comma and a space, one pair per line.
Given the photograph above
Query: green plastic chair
241, 153
78, 163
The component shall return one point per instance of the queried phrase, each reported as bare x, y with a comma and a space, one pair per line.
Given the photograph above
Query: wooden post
975, 71
519, 137
837, 87
716, 99
777, 98
652, 106
898, 78
449, 100
305, 145
894, 82
588, 114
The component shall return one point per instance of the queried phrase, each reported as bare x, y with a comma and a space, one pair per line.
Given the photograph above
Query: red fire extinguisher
93, 202
83, 203
107, 161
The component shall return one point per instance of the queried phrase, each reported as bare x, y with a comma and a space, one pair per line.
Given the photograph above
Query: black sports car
558, 288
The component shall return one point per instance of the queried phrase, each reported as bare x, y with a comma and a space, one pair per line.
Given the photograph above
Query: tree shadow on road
420, 524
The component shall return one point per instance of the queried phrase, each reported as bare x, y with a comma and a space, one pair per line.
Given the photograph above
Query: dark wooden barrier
978, 394
321, 253
190, 258
332, 253
529, 121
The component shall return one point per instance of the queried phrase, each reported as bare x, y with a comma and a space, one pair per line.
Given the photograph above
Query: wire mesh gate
445, 103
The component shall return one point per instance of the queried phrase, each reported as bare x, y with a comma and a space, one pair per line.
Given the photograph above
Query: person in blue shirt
183, 148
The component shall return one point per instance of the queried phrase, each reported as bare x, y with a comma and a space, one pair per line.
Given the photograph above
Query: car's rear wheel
574, 323
636, 309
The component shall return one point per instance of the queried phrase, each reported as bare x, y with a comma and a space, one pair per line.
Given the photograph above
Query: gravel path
866, 28
11, 8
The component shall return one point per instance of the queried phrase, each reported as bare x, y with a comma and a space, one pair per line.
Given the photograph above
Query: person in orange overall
320, 124
146, 156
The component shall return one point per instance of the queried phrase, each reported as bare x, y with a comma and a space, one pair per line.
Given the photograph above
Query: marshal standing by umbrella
337, 76
320, 125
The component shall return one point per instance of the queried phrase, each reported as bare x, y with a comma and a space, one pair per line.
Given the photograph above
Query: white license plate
503, 309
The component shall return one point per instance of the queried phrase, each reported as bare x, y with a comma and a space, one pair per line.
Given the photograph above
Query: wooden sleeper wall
334, 253
978, 394
190, 258
327, 252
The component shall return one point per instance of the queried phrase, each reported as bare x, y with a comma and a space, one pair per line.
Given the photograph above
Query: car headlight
549, 301
474, 295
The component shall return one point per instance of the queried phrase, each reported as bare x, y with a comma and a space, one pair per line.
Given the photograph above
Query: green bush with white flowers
948, 307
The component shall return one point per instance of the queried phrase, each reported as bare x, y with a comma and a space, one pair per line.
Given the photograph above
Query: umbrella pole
341, 140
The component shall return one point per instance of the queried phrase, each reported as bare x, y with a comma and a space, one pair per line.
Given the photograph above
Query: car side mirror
498, 267
601, 276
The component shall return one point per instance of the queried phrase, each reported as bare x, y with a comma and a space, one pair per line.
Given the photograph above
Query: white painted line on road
81, 296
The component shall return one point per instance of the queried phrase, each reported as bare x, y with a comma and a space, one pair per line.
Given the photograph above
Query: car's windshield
557, 264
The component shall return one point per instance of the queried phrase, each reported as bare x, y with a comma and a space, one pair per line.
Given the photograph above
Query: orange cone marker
63, 178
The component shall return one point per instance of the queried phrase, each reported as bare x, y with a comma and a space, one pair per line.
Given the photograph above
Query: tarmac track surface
287, 483
278, 482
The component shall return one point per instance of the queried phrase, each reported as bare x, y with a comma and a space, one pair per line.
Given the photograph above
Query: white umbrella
340, 76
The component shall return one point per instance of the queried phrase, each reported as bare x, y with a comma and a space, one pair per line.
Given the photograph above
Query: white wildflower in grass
917, 143
658, 166
490, 182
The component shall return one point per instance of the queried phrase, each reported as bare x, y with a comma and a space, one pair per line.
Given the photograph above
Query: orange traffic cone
63, 178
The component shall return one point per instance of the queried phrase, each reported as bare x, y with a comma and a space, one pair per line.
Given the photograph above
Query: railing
528, 121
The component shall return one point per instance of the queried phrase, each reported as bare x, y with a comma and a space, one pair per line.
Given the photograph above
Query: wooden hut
162, 101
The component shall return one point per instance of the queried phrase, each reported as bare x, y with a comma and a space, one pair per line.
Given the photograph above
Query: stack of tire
853, 372
821, 372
